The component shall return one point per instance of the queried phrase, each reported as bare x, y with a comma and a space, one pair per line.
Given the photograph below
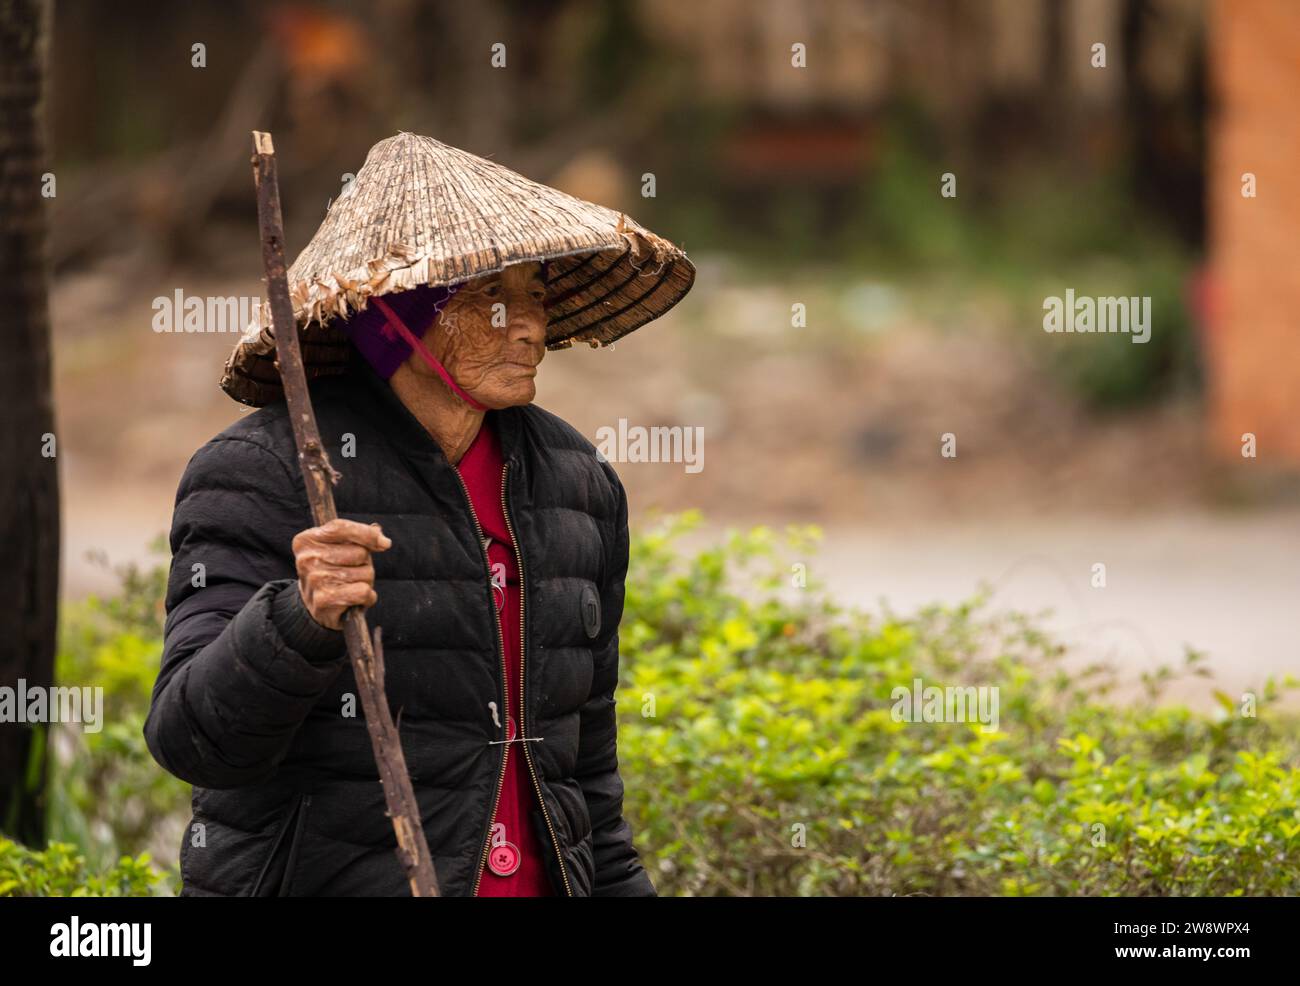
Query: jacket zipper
501, 775
501, 650
295, 846
523, 681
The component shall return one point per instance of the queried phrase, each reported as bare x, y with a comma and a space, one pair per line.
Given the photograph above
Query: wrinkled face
491, 335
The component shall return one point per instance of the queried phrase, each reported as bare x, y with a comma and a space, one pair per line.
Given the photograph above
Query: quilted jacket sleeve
619, 872
243, 660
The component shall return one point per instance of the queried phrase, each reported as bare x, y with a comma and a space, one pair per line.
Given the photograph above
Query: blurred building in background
1254, 339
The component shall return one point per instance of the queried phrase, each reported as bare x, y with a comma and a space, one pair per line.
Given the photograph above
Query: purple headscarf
384, 349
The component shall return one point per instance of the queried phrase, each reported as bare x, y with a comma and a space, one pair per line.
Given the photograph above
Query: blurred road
1223, 584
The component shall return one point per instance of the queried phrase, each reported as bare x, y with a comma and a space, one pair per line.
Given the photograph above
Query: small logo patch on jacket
590, 611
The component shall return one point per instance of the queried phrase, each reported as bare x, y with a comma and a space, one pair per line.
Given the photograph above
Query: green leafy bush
761, 757
108, 796
60, 871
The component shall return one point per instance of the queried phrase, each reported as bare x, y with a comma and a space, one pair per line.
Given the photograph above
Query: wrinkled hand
334, 568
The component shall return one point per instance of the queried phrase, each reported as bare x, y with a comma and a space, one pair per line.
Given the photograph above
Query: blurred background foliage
831, 171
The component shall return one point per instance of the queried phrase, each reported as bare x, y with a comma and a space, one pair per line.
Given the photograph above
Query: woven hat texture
422, 213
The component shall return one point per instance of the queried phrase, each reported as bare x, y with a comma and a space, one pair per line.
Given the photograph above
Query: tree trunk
29, 486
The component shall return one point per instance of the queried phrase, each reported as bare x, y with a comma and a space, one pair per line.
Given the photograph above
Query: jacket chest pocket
276, 876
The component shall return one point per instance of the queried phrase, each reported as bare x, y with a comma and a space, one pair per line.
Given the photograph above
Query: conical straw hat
422, 213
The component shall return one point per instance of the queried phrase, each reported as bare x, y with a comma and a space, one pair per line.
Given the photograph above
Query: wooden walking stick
319, 476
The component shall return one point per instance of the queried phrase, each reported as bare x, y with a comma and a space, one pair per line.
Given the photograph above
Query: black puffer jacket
256, 704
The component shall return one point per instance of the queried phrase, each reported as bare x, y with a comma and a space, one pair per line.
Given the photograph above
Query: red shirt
481, 468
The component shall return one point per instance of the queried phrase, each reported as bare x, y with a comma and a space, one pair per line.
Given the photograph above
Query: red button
504, 859
510, 727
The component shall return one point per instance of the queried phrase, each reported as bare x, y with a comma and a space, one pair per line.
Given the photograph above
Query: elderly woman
485, 535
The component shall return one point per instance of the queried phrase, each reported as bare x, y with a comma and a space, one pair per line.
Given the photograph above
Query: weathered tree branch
319, 476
